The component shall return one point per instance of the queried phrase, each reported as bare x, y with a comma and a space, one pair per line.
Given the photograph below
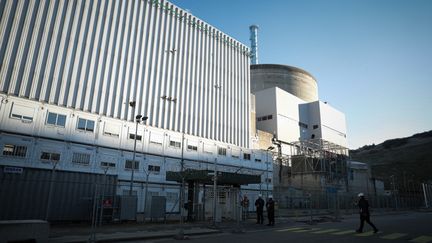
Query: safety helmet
360, 194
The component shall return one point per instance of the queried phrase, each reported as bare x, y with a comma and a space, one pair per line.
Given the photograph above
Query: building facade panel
97, 56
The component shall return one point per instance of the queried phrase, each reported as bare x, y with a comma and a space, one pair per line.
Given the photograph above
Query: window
111, 129
81, 158
222, 151
86, 125
303, 125
14, 150
246, 156
47, 156
192, 147
268, 180
23, 113
56, 119
265, 118
132, 136
257, 160
128, 164
175, 144
235, 153
156, 138
315, 126
208, 148
108, 164
154, 168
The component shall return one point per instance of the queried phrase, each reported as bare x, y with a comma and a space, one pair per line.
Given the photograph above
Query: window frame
175, 144
57, 115
132, 136
50, 159
133, 163
192, 148
108, 129
222, 151
85, 129
16, 151
107, 164
83, 156
155, 169
21, 115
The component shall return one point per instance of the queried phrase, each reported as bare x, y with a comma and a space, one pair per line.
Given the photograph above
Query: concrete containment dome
291, 79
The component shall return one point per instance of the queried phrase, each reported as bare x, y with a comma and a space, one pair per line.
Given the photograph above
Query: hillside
408, 159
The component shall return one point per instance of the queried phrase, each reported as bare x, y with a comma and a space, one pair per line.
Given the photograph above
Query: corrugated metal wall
25, 195
98, 55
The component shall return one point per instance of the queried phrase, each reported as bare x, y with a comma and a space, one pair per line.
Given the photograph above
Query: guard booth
200, 197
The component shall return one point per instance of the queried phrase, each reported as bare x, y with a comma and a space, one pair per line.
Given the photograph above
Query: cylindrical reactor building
291, 79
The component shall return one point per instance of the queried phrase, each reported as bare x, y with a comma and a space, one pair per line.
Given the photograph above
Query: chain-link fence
294, 202
55, 195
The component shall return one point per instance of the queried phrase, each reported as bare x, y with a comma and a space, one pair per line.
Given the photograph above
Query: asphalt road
407, 227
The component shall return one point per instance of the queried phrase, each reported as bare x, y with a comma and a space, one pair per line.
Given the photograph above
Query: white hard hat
259, 195
270, 196
360, 194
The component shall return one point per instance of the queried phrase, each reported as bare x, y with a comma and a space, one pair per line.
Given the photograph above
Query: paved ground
400, 226
406, 227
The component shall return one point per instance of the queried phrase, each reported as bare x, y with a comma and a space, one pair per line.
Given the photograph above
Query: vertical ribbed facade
99, 55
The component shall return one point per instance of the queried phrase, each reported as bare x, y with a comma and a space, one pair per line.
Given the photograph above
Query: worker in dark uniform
259, 204
363, 205
270, 205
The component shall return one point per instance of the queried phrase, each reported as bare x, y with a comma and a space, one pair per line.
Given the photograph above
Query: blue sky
372, 58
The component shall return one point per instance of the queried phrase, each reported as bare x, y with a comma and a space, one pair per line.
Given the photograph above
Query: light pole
145, 193
394, 191
138, 119
105, 168
181, 204
215, 194
267, 168
54, 165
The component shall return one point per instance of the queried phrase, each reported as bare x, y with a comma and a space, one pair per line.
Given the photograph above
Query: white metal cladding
96, 56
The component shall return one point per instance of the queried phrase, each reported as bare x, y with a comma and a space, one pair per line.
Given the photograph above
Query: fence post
425, 195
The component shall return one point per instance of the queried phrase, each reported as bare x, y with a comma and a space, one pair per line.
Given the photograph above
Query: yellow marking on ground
422, 239
325, 231
368, 233
393, 236
345, 232
289, 229
305, 230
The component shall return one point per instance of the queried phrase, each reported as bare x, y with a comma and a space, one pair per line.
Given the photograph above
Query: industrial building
309, 136
118, 102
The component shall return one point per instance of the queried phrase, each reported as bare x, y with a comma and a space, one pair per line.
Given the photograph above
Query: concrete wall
326, 122
291, 79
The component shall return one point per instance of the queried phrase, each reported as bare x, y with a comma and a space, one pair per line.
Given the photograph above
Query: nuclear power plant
309, 137
291, 79
134, 110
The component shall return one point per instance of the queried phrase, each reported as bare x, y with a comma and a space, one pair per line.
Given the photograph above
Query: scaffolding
316, 157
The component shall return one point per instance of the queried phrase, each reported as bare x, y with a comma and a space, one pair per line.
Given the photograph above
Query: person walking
259, 204
363, 205
270, 205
